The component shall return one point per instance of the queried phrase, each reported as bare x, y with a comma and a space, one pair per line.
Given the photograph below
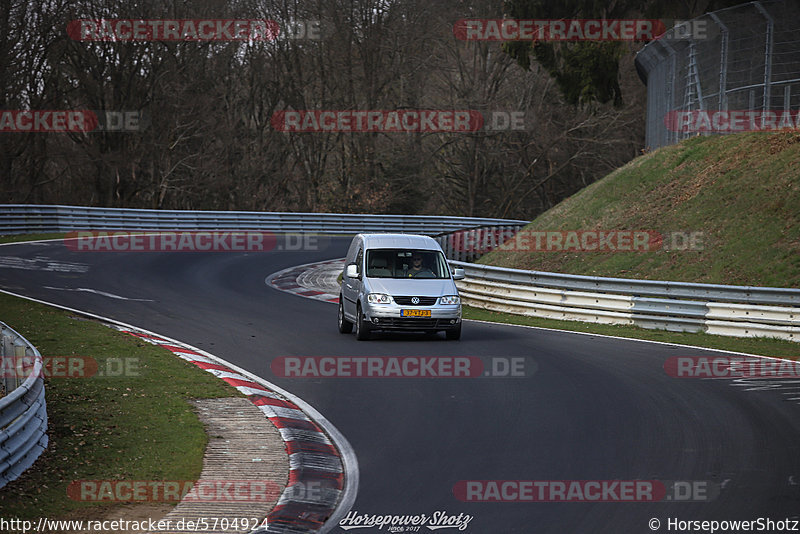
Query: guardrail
27, 218
23, 413
741, 311
469, 244
712, 308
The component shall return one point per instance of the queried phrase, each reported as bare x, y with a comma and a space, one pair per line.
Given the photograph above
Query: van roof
399, 241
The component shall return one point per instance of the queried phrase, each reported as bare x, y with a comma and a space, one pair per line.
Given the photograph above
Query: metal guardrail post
768, 44
723, 62
5, 348
787, 97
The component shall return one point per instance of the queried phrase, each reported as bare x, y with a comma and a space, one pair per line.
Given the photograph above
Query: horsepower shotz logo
411, 523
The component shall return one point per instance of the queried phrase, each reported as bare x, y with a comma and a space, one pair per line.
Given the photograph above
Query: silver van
398, 282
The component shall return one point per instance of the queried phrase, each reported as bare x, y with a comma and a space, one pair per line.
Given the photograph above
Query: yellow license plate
415, 313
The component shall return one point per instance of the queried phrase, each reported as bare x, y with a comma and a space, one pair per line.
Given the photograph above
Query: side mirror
351, 271
458, 274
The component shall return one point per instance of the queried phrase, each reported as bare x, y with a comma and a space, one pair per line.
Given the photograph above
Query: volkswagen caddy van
398, 282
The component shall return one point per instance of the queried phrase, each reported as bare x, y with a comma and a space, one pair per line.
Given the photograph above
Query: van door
351, 287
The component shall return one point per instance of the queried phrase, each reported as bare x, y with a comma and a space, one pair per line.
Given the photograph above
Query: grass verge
739, 192
29, 237
134, 423
763, 346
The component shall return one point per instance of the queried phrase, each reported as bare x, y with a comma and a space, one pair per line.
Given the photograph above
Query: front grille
412, 323
406, 301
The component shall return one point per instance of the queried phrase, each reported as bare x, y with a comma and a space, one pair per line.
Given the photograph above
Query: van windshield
406, 263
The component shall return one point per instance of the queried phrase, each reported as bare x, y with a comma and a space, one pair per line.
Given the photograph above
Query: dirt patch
781, 141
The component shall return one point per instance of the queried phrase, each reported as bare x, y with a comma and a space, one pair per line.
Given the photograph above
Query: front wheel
345, 326
362, 327
454, 334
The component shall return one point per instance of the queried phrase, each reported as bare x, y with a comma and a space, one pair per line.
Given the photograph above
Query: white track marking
103, 293
40, 263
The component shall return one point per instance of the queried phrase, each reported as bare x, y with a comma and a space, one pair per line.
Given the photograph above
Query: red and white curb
311, 280
316, 470
323, 469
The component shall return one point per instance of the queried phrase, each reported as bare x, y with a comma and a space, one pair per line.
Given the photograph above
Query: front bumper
387, 317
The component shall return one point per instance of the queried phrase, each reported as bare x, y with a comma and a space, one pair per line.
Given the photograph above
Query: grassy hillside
741, 191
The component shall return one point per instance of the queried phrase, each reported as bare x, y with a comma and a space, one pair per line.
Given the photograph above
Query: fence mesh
744, 58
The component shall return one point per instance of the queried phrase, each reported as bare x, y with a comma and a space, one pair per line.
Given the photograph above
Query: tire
345, 326
454, 334
362, 327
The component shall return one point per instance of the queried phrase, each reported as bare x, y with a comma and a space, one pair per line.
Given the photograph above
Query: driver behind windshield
418, 268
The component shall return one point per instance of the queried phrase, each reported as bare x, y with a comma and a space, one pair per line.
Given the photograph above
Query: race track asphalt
593, 408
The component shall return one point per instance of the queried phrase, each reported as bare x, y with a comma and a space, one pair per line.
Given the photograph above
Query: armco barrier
27, 218
740, 311
721, 309
23, 414
469, 244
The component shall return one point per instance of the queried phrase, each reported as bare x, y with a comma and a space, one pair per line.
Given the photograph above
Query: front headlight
379, 298
450, 299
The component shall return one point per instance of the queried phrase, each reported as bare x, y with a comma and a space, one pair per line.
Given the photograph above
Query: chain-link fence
723, 72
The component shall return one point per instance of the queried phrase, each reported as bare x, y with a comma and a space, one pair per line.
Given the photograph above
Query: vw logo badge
414, 300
